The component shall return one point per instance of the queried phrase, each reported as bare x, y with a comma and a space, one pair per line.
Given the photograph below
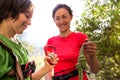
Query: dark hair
58, 6
12, 8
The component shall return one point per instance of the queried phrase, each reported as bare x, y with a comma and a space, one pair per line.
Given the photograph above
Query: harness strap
64, 70
66, 76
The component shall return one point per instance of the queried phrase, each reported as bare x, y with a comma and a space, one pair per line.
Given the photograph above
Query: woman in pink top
68, 44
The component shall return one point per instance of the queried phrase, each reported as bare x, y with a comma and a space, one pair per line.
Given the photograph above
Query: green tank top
6, 61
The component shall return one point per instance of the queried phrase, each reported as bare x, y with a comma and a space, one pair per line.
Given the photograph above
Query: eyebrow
62, 15
27, 11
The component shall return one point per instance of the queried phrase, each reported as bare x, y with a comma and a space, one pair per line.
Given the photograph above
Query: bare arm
45, 69
90, 54
48, 76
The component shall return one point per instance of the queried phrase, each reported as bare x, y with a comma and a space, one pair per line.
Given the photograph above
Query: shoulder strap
16, 63
10, 51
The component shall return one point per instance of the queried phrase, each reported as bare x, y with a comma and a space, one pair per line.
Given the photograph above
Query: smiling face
16, 16
24, 19
62, 19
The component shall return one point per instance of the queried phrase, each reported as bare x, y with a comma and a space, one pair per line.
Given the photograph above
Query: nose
61, 21
29, 22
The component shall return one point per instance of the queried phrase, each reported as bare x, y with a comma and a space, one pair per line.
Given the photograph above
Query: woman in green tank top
15, 17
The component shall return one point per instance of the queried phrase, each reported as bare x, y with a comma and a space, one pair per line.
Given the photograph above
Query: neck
12, 38
66, 33
6, 30
7, 34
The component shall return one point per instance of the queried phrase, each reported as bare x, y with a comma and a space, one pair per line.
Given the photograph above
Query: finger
52, 59
90, 50
89, 47
89, 43
51, 56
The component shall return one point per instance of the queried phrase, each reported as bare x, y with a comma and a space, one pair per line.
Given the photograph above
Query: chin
20, 32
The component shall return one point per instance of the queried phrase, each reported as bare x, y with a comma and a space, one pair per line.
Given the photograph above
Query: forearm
40, 73
46, 68
48, 76
94, 64
90, 54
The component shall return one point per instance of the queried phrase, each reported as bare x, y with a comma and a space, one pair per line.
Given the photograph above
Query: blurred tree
29, 46
103, 17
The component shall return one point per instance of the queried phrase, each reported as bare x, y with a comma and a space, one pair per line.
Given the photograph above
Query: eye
57, 18
27, 15
64, 16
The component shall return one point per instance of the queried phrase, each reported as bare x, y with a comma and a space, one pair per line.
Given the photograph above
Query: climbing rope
82, 63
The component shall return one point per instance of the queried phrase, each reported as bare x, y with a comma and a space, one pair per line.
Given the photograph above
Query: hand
90, 49
51, 60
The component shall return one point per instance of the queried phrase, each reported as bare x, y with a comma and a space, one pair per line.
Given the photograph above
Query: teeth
62, 25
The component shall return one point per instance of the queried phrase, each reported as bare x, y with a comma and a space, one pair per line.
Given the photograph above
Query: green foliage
104, 18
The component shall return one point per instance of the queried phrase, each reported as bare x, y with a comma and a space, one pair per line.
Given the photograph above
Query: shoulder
80, 34
52, 39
